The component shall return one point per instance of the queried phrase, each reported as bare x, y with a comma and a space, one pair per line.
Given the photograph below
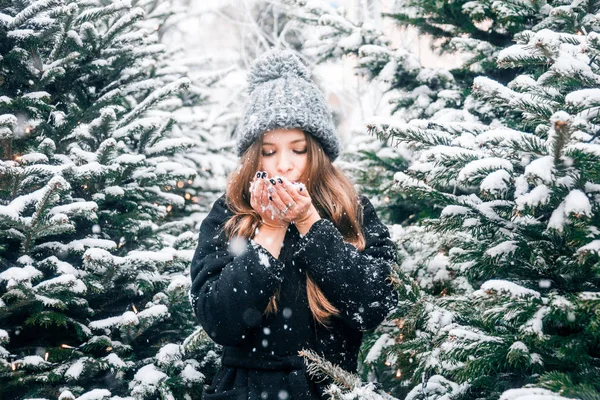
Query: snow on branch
172, 88
96, 13
32, 10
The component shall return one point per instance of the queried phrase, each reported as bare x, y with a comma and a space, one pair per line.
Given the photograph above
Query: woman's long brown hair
332, 194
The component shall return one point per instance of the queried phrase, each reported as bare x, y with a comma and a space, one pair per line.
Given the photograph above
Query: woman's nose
284, 164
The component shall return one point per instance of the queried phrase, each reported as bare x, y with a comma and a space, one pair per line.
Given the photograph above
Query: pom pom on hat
276, 64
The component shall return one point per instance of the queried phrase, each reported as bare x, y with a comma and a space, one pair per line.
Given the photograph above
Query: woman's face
284, 153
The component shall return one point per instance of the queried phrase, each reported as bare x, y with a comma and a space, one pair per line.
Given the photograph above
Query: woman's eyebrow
292, 142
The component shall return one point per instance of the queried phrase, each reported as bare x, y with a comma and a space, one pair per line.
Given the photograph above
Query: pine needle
317, 366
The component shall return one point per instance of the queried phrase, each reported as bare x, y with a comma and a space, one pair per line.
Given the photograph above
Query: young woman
290, 257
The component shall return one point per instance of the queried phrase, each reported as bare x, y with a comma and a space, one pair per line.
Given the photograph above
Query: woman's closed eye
269, 153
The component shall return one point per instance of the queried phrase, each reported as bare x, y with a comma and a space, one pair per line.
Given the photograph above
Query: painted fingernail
264, 175
273, 182
270, 198
279, 180
300, 189
258, 174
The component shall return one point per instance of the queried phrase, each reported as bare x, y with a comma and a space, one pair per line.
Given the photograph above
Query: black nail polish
258, 174
300, 189
279, 180
264, 175
270, 198
272, 181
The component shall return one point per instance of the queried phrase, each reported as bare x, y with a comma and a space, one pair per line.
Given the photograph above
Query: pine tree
523, 323
92, 299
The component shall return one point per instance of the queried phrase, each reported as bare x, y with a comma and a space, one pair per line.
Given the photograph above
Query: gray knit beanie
282, 95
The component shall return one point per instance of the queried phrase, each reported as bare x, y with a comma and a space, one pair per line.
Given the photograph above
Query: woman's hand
293, 201
259, 200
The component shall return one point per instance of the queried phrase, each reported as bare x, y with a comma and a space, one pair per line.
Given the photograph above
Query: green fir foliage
93, 298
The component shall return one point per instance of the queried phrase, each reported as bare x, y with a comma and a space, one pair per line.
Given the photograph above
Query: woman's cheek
303, 162
268, 168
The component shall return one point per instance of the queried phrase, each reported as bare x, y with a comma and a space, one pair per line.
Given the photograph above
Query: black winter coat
232, 286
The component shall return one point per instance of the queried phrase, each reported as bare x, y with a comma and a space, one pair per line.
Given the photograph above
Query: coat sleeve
355, 282
231, 284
